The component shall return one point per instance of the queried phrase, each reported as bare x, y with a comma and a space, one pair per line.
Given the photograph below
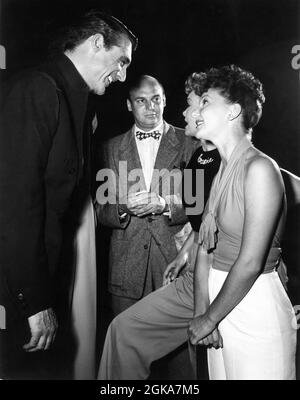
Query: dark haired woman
242, 304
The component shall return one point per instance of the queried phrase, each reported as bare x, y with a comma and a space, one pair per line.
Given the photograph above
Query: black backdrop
177, 37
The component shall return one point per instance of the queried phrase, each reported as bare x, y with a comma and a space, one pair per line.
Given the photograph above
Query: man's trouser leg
147, 331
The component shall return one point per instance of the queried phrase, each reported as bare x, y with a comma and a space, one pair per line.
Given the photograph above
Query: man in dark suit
147, 214
43, 159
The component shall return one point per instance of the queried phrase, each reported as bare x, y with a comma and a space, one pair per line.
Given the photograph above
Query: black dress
209, 161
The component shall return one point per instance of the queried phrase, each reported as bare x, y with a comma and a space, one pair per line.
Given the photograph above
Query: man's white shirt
147, 149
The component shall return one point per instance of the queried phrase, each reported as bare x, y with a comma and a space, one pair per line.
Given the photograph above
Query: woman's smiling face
191, 113
212, 116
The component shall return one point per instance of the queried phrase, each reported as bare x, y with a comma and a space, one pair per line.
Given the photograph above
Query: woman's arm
264, 200
201, 296
181, 259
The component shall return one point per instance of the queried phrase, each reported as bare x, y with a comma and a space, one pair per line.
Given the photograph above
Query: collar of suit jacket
64, 71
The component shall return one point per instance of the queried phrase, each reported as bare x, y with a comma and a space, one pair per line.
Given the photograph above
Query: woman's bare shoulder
260, 165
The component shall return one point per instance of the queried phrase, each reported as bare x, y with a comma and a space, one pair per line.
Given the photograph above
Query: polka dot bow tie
145, 135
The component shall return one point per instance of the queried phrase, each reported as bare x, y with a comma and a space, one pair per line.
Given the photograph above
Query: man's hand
43, 326
149, 203
130, 205
142, 203
174, 268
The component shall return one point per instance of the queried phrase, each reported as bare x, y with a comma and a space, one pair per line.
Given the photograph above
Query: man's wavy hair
236, 85
81, 27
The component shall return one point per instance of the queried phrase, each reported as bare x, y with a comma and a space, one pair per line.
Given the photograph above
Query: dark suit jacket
130, 241
41, 162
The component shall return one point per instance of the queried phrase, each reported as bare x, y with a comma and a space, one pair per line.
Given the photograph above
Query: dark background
177, 37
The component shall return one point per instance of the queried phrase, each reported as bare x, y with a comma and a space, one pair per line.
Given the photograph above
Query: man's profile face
109, 65
147, 105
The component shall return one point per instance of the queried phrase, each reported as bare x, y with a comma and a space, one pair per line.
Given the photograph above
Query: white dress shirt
147, 149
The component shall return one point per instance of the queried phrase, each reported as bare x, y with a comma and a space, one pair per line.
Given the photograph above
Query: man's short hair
138, 81
92, 22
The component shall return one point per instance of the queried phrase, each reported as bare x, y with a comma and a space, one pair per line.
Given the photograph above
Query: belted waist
273, 260
274, 263
227, 253
279, 266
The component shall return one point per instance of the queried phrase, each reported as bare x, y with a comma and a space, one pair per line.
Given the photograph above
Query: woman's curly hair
236, 85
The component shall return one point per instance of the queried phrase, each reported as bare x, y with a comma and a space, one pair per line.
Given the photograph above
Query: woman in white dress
242, 309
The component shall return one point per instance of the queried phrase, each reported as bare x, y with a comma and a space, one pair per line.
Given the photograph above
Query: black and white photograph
149, 192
